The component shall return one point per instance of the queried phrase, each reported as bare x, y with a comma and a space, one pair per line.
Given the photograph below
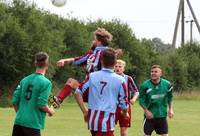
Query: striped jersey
131, 86
91, 59
106, 89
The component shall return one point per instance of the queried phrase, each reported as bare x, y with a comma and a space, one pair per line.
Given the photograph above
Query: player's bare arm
133, 100
16, 108
148, 113
170, 111
79, 100
48, 110
62, 62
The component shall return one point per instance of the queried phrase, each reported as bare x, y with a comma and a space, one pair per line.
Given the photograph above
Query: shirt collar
101, 48
108, 70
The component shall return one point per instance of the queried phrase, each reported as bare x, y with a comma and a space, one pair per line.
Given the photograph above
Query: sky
147, 18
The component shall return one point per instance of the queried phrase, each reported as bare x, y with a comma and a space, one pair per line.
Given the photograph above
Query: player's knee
123, 131
69, 81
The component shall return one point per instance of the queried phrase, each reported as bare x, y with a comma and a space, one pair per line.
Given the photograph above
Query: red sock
64, 92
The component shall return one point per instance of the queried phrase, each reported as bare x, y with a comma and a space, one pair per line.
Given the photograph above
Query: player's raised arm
82, 60
62, 62
79, 61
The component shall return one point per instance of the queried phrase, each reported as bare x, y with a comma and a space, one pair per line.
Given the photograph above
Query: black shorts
160, 126
25, 131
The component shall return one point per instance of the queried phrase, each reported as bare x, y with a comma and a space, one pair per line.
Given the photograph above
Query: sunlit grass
68, 120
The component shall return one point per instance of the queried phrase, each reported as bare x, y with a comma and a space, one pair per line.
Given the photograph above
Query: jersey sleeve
170, 93
142, 96
81, 60
44, 94
123, 98
16, 94
133, 87
83, 87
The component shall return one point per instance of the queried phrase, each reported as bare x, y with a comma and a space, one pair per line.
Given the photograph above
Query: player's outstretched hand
61, 63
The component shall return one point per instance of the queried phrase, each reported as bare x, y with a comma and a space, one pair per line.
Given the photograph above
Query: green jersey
156, 97
31, 94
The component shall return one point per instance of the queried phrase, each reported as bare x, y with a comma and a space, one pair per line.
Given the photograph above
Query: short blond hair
156, 66
121, 62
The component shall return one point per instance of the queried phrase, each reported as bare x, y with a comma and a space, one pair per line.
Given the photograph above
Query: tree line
26, 30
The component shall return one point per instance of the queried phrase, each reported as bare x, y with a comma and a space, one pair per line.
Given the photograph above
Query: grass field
68, 120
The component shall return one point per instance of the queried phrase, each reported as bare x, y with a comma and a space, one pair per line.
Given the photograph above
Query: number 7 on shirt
103, 84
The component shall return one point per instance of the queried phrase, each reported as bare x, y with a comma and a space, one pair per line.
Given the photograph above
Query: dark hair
108, 57
41, 59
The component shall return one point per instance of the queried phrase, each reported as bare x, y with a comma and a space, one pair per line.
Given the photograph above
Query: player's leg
124, 122
17, 131
99, 133
161, 126
31, 131
148, 126
123, 131
65, 91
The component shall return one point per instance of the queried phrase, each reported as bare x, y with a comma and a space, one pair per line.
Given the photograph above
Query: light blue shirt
106, 89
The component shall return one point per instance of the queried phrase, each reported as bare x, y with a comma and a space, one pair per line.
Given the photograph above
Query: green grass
68, 120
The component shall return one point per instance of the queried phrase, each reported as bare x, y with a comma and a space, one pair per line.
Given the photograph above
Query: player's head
118, 52
102, 36
41, 60
108, 58
156, 72
120, 66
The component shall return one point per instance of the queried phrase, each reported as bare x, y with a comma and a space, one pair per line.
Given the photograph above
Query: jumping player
106, 89
132, 93
156, 100
91, 59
